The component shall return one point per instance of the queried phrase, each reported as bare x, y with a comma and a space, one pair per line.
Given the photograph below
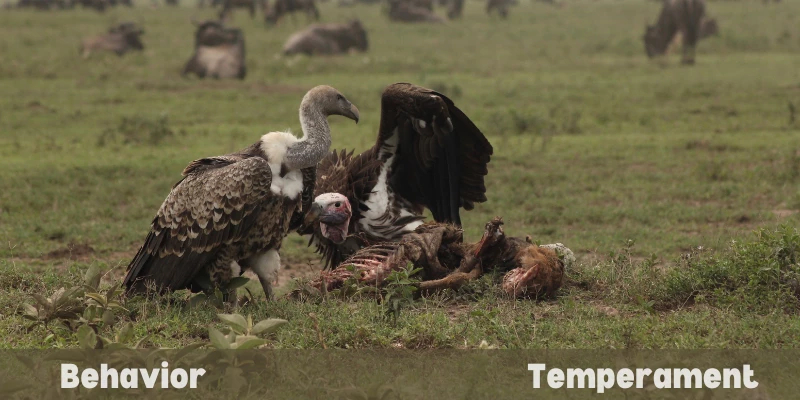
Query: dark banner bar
383, 374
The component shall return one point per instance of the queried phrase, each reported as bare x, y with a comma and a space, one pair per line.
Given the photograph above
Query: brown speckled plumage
236, 209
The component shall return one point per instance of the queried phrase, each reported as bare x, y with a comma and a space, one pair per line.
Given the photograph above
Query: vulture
428, 155
230, 213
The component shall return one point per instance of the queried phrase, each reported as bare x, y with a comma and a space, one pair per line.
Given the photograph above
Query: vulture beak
334, 217
353, 113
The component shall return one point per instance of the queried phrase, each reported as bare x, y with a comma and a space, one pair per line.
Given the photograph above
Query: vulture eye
337, 204
339, 97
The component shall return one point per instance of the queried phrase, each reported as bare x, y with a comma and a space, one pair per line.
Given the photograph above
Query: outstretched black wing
441, 156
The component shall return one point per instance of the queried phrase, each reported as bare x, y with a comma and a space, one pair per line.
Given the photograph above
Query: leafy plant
84, 309
63, 305
242, 332
399, 290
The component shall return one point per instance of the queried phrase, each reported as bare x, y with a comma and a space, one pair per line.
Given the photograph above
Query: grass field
656, 175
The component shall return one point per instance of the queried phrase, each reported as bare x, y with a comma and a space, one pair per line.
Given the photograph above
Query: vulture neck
316, 141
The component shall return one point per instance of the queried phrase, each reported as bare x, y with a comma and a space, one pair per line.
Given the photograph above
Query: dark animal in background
455, 8
328, 39
350, 3
97, 5
426, 4
229, 5
499, 6
219, 52
283, 7
114, 3
412, 11
708, 28
231, 212
119, 39
43, 4
171, 3
428, 154
684, 16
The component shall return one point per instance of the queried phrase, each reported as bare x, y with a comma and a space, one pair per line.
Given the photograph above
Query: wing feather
442, 156
216, 203
307, 197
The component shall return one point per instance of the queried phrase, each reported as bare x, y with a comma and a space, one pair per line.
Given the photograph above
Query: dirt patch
606, 310
784, 213
290, 271
36, 105
73, 251
707, 146
455, 311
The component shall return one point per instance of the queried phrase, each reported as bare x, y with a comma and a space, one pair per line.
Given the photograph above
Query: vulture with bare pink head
429, 155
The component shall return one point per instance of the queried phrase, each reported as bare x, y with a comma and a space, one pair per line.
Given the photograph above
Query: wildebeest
282, 7
708, 27
119, 39
218, 52
501, 6
327, 39
409, 11
97, 5
114, 3
229, 5
455, 9
42, 4
684, 16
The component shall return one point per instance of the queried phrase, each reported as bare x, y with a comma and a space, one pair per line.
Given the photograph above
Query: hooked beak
334, 218
353, 113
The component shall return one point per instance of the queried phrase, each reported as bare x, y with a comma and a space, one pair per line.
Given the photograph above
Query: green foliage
351, 287
242, 333
62, 306
758, 275
399, 289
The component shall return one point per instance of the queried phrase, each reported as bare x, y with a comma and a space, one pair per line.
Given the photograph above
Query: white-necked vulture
231, 212
428, 155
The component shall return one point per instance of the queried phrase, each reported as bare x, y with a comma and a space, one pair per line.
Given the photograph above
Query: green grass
595, 146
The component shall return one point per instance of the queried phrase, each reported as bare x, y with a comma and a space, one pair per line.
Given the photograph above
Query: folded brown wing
214, 205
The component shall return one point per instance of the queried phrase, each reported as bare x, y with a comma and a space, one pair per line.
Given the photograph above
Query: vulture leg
265, 266
220, 272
